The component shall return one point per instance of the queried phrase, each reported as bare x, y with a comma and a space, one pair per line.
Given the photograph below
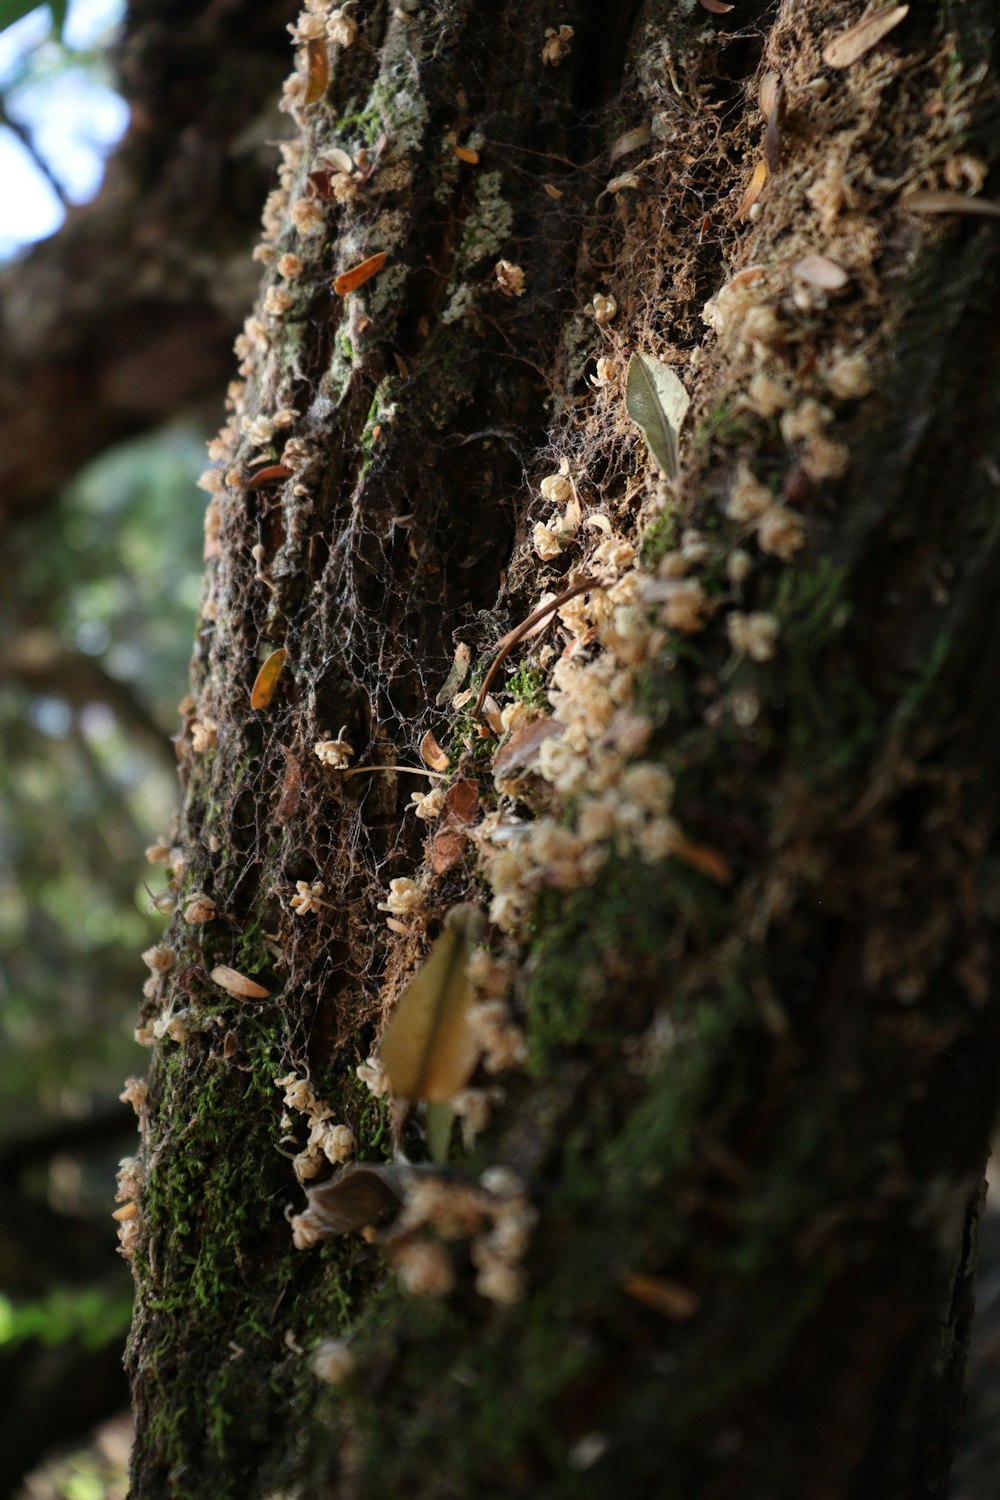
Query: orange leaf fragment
717, 7
317, 70
349, 281
464, 153
667, 1297
266, 476
267, 679
432, 755
704, 858
552, 191
238, 984
754, 190
447, 849
853, 43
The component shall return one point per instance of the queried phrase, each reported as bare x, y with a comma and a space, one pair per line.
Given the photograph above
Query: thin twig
24, 135
410, 770
512, 637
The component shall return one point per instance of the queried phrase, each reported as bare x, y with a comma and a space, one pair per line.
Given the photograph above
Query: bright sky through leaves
72, 115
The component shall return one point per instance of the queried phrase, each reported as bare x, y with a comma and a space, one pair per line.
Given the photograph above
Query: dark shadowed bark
746, 909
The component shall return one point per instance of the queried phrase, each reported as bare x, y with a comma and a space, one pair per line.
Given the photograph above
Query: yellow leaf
754, 190
267, 679
318, 70
429, 1050
238, 984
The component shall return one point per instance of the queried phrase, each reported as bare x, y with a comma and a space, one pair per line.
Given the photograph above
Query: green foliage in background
97, 612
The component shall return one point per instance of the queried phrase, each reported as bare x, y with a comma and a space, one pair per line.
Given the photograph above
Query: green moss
721, 425
527, 685
660, 537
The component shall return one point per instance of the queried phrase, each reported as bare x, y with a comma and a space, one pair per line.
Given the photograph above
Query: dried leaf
356, 1198
772, 135
457, 675
619, 184
717, 7
667, 1297
237, 984
317, 70
437, 1123
447, 849
630, 141
349, 281
465, 154
553, 192
821, 272
949, 203
340, 161
429, 1050
521, 750
291, 789
461, 803
458, 811
267, 679
853, 43
432, 755
657, 402
767, 96
268, 475
704, 858
540, 625
754, 190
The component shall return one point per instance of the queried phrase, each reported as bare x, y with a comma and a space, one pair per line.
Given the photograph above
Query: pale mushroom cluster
327, 1140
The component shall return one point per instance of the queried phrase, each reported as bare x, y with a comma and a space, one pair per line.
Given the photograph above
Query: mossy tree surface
761, 1073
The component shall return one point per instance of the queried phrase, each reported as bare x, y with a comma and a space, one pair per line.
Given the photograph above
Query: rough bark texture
762, 1069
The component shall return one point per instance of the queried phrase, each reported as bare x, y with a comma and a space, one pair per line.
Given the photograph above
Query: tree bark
761, 1041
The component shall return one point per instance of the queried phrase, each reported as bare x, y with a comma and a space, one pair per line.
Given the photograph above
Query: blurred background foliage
97, 614
97, 606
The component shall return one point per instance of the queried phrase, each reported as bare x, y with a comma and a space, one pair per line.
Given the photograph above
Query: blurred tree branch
125, 317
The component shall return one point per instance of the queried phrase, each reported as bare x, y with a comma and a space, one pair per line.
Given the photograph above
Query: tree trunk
743, 1071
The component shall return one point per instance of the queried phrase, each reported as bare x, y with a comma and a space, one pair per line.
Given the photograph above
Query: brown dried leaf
291, 789
432, 755
457, 675
754, 190
447, 849
521, 750
429, 1050
349, 281
821, 272
317, 70
704, 858
853, 43
267, 679
949, 203
461, 803
775, 122
717, 7
357, 1197
630, 141
268, 475
553, 192
237, 984
667, 1297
